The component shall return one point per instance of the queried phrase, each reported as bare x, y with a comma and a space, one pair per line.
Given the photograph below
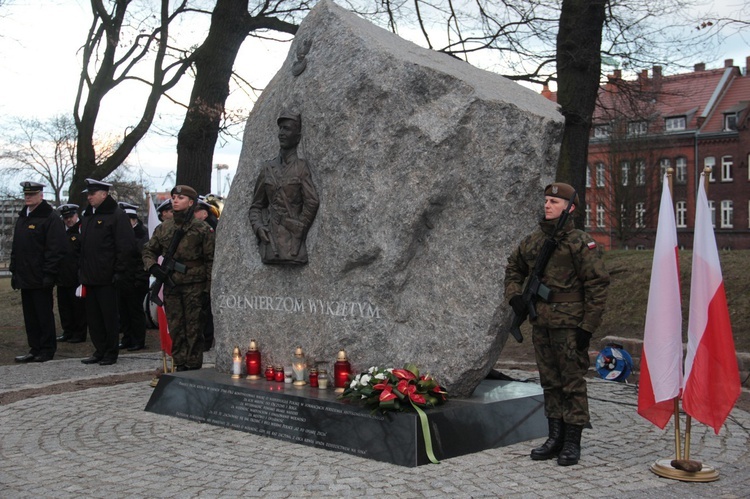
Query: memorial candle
341, 371
313, 377
299, 366
252, 361
236, 363
278, 374
270, 374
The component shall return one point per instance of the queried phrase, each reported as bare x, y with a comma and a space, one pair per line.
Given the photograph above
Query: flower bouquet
388, 389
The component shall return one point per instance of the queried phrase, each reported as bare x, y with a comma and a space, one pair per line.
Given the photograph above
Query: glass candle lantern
313, 375
252, 361
278, 374
299, 367
270, 374
341, 371
323, 379
236, 363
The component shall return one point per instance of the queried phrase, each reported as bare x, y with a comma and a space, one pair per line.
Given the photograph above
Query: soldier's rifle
534, 287
168, 264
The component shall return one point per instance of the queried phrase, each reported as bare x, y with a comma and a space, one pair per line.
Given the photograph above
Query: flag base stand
664, 469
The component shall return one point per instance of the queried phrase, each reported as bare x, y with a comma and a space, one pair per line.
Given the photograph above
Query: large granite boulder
428, 172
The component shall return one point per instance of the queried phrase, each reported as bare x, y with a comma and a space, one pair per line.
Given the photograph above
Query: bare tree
44, 150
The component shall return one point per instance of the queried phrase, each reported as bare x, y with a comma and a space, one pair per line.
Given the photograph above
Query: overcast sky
40, 67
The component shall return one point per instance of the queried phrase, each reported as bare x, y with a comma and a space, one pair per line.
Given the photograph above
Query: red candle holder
278, 374
341, 371
252, 361
270, 374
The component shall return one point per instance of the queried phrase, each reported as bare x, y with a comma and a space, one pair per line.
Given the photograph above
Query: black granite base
499, 413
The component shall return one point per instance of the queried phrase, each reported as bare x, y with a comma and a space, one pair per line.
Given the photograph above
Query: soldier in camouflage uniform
562, 331
191, 291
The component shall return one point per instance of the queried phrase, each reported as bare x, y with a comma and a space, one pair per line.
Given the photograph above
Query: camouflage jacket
196, 250
576, 267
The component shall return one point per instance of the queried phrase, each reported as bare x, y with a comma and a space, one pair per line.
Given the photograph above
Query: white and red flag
161, 316
661, 362
712, 379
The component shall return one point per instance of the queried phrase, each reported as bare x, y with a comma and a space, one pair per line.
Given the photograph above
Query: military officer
562, 331
133, 288
164, 210
107, 250
188, 292
72, 309
38, 247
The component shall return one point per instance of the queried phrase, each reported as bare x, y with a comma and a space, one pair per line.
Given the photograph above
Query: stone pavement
99, 442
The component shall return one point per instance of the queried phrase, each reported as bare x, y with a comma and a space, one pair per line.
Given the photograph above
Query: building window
600, 174
640, 173
727, 213
681, 170
600, 215
601, 131
664, 165
588, 175
675, 123
625, 169
730, 122
710, 162
726, 169
640, 213
712, 207
587, 222
637, 128
681, 214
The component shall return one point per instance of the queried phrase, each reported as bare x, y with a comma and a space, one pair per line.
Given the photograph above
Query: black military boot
571, 451
554, 443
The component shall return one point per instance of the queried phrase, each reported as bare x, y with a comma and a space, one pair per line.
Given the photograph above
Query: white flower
353, 384
365, 379
372, 369
379, 376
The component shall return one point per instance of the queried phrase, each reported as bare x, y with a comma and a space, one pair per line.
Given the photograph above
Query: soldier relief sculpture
285, 200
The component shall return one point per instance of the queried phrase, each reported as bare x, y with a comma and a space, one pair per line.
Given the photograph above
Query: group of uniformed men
101, 263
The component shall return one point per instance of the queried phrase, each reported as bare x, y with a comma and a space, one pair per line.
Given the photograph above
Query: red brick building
685, 122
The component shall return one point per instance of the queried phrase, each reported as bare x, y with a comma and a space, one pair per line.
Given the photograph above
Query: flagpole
689, 420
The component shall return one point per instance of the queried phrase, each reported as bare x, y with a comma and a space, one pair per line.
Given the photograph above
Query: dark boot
571, 451
554, 443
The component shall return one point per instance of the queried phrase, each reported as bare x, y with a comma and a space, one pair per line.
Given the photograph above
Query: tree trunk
214, 60
579, 40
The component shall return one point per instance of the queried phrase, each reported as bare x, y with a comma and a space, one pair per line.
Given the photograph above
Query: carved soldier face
553, 207
289, 133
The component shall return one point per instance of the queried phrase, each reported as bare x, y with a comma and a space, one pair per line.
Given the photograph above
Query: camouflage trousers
185, 318
562, 368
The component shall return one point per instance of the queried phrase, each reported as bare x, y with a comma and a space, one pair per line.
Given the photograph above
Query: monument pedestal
499, 413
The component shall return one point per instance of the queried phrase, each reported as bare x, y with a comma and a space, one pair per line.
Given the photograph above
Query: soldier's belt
565, 297
191, 264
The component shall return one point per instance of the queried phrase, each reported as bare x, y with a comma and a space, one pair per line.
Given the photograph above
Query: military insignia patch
591, 245
554, 189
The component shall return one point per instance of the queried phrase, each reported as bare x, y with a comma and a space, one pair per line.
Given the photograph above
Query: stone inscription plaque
503, 414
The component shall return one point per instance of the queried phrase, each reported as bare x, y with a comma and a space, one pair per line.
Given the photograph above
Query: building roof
736, 99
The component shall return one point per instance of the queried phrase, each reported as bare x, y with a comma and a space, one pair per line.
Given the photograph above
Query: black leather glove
519, 307
158, 272
13, 282
583, 339
48, 280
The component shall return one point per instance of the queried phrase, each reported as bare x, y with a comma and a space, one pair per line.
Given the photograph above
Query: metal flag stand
682, 467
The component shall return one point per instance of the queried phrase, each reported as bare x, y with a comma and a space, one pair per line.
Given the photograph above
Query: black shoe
136, 347
107, 362
91, 360
76, 340
180, 369
41, 358
63, 338
25, 358
123, 345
